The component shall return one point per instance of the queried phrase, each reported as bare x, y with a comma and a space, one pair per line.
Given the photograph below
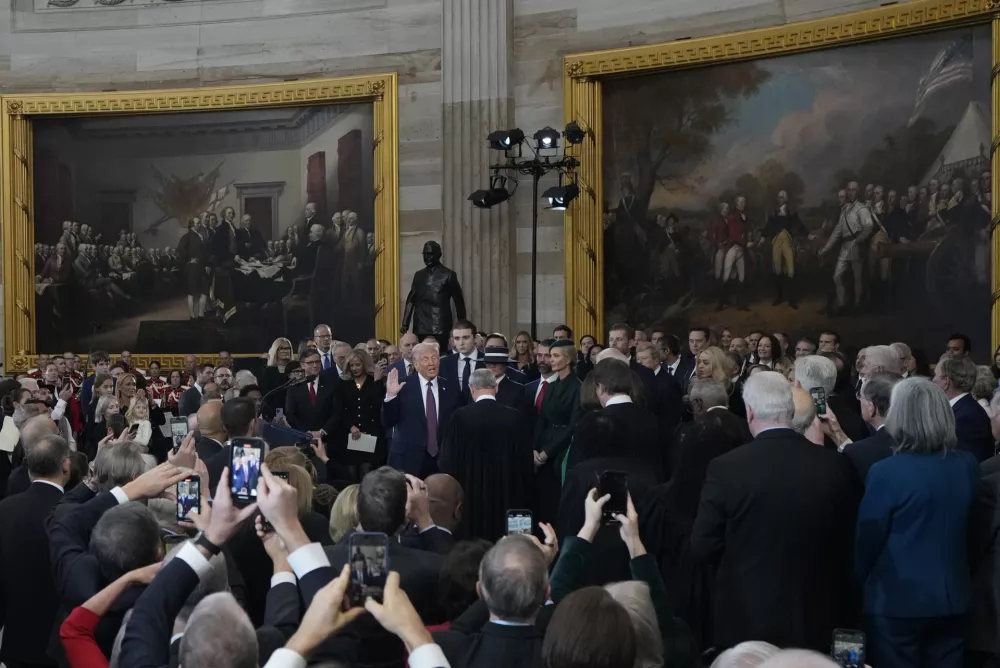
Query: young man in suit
460, 364
697, 342
419, 409
314, 406
28, 597
190, 400
783, 509
955, 375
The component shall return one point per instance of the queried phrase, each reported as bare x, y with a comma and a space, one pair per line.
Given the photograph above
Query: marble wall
515, 45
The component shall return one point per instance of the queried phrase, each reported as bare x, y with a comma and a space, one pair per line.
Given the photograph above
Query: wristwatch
202, 541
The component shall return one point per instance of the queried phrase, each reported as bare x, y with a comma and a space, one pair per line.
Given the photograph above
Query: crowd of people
772, 491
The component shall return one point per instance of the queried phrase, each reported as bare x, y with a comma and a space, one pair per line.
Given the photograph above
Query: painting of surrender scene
216, 230
846, 188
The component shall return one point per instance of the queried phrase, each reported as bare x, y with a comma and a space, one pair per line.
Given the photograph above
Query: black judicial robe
487, 448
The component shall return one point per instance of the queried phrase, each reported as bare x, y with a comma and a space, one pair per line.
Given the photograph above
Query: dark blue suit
400, 368
911, 557
972, 427
449, 369
405, 413
867, 452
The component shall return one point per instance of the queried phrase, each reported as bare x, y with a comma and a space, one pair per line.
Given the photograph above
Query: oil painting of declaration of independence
847, 188
206, 231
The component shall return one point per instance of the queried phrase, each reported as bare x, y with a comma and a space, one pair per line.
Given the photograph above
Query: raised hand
550, 548
186, 455
324, 616
392, 384
396, 615
153, 482
629, 530
593, 509
225, 517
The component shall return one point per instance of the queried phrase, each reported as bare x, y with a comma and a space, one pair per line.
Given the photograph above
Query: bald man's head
445, 496
210, 421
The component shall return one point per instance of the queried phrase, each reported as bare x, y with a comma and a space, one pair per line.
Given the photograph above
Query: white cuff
427, 656
434, 526
283, 578
388, 399
120, 494
308, 558
191, 556
59, 411
285, 658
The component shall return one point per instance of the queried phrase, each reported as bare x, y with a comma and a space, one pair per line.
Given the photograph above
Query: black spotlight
560, 196
547, 138
497, 193
504, 140
574, 133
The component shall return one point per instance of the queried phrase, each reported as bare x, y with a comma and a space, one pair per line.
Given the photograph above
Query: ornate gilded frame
584, 73
17, 199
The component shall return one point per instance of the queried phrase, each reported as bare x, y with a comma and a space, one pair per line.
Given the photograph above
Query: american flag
952, 65
217, 197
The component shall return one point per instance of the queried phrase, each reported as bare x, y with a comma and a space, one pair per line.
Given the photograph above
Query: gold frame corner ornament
17, 187
584, 73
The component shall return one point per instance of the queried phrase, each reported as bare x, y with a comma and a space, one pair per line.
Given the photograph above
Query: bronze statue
429, 301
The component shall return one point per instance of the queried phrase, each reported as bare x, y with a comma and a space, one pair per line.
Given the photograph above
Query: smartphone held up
368, 555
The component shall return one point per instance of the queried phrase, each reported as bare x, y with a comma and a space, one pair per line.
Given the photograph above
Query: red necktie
540, 397
312, 392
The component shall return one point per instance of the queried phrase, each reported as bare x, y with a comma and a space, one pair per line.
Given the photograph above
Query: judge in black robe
487, 448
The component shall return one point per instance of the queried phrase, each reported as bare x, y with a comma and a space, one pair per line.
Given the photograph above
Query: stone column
478, 97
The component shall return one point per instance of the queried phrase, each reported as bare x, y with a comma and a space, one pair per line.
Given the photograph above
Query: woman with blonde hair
713, 364
144, 434
276, 374
362, 392
344, 515
520, 354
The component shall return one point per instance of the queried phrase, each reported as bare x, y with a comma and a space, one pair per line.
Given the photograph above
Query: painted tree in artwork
660, 127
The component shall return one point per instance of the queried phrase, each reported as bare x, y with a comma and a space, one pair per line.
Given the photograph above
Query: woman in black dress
275, 375
362, 392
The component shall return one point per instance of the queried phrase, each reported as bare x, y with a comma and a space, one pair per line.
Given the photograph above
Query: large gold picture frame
582, 88
17, 195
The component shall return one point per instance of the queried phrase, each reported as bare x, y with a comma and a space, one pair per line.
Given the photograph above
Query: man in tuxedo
876, 394
697, 342
460, 364
487, 449
513, 582
314, 406
955, 375
190, 400
509, 393
419, 409
28, 598
783, 510
382, 508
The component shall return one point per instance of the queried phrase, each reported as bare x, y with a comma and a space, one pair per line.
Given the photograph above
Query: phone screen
518, 522
178, 430
849, 648
369, 562
614, 483
244, 468
188, 497
818, 395
117, 424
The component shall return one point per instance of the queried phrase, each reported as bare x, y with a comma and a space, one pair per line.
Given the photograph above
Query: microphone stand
291, 383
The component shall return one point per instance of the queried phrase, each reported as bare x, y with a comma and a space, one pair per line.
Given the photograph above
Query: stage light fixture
560, 196
574, 133
496, 194
504, 140
546, 139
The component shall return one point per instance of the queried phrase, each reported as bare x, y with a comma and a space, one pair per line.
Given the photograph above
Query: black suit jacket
852, 423
189, 402
972, 427
777, 515
207, 448
28, 599
867, 452
19, 481
510, 393
406, 414
685, 369
635, 433
147, 636
418, 574
492, 645
449, 369
304, 416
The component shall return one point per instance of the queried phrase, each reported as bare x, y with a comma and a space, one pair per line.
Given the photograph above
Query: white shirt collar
551, 378
424, 381
673, 367
616, 399
486, 396
657, 370
957, 399
879, 428
49, 482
